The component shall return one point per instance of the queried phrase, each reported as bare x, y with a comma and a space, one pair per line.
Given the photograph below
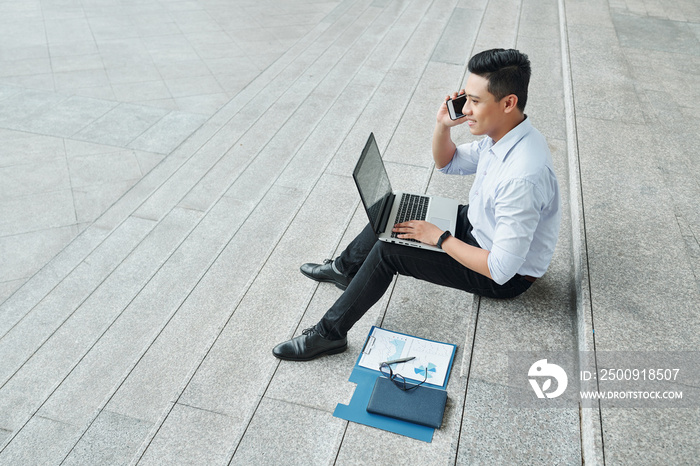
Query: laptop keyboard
412, 207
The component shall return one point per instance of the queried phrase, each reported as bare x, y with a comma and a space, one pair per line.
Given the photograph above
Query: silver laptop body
384, 206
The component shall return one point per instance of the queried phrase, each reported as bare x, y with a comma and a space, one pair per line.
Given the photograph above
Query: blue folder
356, 410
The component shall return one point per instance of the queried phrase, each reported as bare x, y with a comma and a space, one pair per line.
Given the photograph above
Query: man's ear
510, 103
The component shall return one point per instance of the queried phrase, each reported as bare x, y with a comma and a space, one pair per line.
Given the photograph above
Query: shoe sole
324, 280
324, 353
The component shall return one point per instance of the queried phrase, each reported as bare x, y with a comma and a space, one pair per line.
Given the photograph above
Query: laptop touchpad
441, 223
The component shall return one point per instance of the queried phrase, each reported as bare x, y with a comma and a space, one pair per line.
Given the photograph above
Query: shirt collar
506, 143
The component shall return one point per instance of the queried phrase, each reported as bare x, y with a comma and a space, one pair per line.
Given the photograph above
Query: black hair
507, 71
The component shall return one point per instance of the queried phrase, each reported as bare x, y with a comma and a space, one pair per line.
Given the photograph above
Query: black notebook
421, 405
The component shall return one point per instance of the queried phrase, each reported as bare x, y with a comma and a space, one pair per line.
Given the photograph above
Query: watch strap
443, 237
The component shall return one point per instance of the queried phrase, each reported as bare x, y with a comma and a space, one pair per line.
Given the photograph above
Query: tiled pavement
162, 164
95, 95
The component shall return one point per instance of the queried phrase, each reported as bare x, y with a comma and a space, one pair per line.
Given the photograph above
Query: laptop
385, 208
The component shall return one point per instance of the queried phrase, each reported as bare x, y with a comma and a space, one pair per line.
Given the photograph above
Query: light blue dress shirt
514, 203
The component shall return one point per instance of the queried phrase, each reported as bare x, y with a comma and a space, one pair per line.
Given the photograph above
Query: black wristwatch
442, 238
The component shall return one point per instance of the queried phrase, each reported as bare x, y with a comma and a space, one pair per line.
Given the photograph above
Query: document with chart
431, 357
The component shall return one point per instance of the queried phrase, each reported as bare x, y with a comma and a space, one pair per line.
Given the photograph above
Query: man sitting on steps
504, 238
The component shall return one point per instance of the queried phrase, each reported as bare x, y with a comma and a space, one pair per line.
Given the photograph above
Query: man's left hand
420, 230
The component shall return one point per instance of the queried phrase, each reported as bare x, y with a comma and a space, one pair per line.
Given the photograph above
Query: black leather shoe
325, 273
307, 346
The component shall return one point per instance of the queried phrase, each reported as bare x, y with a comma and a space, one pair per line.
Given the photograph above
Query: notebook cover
422, 405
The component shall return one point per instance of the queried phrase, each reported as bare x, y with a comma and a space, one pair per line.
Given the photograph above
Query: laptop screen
372, 181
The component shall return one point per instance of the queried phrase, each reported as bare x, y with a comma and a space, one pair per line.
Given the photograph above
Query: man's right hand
443, 147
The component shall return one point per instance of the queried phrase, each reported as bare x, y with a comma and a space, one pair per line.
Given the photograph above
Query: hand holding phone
455, 106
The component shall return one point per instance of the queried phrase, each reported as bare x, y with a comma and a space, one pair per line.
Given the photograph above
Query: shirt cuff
503, 265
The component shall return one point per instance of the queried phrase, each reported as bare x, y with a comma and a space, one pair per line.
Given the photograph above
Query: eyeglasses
398, 379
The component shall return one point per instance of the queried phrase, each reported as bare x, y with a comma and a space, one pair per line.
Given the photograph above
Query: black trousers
373, 264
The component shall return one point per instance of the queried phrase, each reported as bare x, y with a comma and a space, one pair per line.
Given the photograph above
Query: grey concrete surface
165, 167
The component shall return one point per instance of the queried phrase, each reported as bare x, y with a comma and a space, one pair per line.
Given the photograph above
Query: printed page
433, 357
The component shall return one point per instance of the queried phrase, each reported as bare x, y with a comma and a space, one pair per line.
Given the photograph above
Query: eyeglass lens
398, 379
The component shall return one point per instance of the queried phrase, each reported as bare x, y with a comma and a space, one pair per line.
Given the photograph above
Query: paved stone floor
94, 95
161, 165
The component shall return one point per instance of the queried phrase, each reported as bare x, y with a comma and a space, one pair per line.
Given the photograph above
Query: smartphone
455, 106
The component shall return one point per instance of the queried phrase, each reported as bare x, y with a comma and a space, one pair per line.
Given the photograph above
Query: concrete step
164, 200
147, 340
639, 185
183, 169
118, 235
214, 137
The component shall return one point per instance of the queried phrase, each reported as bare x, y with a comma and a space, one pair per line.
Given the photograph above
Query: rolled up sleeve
517, 213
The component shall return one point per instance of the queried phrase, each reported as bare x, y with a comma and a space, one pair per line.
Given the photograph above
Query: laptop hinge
385, 214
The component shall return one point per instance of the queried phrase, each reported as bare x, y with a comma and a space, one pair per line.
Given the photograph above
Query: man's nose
467, 109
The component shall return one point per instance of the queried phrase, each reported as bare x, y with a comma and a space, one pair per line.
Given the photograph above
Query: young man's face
484, 114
